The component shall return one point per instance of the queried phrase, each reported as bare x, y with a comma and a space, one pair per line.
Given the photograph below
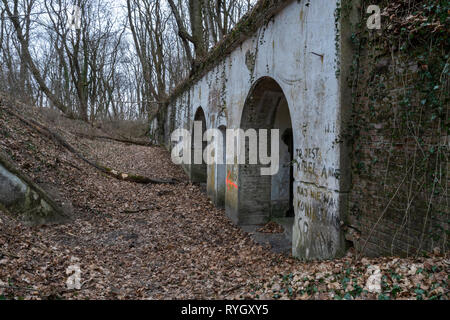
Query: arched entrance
198, 170
261, 198
221, 169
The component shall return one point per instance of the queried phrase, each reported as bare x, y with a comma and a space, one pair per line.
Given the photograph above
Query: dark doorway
262, 198
221, 171
199, 171
288, 140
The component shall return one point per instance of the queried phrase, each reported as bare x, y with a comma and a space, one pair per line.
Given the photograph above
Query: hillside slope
135, 241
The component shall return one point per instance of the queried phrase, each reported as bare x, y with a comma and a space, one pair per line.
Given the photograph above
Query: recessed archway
221, 169
198, 171
264, 197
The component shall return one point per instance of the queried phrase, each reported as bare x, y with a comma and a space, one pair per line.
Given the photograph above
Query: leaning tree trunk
24, 200
26, 56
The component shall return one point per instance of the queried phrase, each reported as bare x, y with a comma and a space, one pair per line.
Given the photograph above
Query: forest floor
162, 241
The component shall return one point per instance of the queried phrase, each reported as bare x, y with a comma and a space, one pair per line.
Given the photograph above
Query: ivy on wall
399, 126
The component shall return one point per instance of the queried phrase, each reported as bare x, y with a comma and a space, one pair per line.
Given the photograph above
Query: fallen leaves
167, 241
377, 278
373, 283
271, 227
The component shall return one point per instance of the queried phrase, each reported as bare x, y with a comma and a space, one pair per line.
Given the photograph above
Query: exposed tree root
111, 172
137, 211
123, 140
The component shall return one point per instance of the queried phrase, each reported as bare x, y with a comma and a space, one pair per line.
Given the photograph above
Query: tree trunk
198, 32
28, 59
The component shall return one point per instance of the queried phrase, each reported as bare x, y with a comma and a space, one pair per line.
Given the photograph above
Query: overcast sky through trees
121, 63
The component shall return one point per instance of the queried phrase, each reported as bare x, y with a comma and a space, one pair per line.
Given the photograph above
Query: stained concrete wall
24, 200
300, 48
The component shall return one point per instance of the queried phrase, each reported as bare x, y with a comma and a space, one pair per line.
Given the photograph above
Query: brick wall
399, 203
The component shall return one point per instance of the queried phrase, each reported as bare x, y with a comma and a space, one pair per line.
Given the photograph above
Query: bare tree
209, 22
118, 64
26, 56
147, 23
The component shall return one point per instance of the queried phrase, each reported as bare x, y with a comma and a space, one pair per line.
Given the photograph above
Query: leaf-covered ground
134, 241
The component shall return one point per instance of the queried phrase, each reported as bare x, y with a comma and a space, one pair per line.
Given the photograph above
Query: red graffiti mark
230, 182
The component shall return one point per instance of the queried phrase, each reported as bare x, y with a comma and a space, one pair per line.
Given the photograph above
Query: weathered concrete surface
277, 242
12, 189
24, 200
299, 49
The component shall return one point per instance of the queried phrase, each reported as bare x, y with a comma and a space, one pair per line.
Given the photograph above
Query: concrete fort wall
294, 58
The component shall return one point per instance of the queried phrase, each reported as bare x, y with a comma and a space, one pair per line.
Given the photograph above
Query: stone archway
261, 198
198, 172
